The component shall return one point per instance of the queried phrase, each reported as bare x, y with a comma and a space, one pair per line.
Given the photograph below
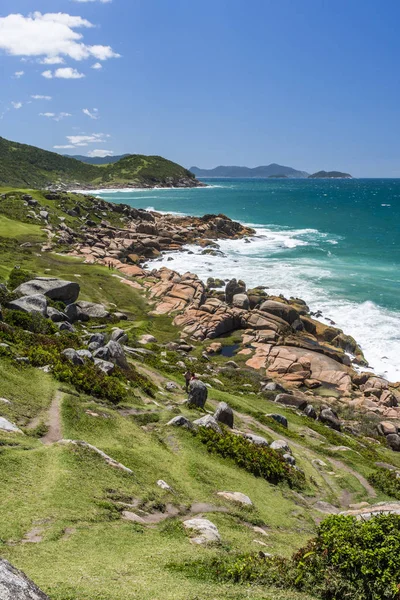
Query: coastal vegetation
104, 466
30, 167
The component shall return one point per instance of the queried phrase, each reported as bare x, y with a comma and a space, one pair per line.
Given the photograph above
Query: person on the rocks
188, 377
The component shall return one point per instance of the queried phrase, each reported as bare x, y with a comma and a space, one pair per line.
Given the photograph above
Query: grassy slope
70, 496
27, 166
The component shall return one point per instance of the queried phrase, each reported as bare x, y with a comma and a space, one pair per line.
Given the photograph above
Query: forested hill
30, 167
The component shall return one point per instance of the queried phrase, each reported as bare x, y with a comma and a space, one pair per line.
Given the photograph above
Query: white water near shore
376, 329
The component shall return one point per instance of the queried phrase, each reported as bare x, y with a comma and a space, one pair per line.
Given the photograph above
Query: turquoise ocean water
335, 243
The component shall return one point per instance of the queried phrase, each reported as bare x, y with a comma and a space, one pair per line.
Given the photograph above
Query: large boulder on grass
53, 288
84, 311
30, 304
197, 393
15, 585
224, 414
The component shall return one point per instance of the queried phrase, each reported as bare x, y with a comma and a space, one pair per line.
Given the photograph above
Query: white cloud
93, 114
52, 60
39, 97
64, 147
55, 116
19, 74
97, 66
93, 138
49, 35
100, 153
16, 105
63, 73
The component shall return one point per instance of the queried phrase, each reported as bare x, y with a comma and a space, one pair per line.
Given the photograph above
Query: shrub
386, 481
17, 277
34, 322
91, 381
349, 559
258, 460
353, 559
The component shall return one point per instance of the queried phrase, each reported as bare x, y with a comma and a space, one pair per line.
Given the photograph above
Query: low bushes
387, 482
33, 322
348, 560
258, 460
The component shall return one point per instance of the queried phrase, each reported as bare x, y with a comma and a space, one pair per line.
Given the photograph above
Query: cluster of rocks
33, 297
145, 235
105, 355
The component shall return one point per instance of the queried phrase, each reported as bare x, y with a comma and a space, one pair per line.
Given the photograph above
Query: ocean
334, 243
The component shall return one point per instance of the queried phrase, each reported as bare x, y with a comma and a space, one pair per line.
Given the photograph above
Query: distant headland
272, 171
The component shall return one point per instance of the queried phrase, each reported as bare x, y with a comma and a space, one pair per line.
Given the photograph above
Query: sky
312, 84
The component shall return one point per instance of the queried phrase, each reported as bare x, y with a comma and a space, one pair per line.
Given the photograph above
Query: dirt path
366, 485
54, 433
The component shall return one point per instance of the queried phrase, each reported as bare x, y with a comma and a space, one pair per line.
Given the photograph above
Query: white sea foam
375, 328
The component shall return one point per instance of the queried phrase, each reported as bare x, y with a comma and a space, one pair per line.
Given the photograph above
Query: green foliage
33, 322
90, 380
17, 277
349, 559
386, 481
354, 559
27, 166
258, 460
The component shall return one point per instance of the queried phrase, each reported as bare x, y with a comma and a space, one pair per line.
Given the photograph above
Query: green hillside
83, 527
30, 167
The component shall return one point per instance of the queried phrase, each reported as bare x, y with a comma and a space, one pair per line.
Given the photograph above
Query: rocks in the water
310, 411
330, 418
281, 446
257, 440
214, 348
10, 427
84, 311
224, 414
279, 419
291, 400
73, 356
15, 585
197, 393
53, 288
36, 303
236, 497
181, 421
206, 531
209, 422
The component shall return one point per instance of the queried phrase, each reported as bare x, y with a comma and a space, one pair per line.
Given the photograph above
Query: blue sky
313, 84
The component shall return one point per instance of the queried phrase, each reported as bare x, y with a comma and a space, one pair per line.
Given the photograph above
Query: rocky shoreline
279, 338
169, 183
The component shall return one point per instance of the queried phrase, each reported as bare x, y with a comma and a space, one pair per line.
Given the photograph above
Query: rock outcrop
15, 585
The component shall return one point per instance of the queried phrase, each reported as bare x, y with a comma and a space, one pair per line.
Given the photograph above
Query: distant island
272, 171
330, 175
263, 172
